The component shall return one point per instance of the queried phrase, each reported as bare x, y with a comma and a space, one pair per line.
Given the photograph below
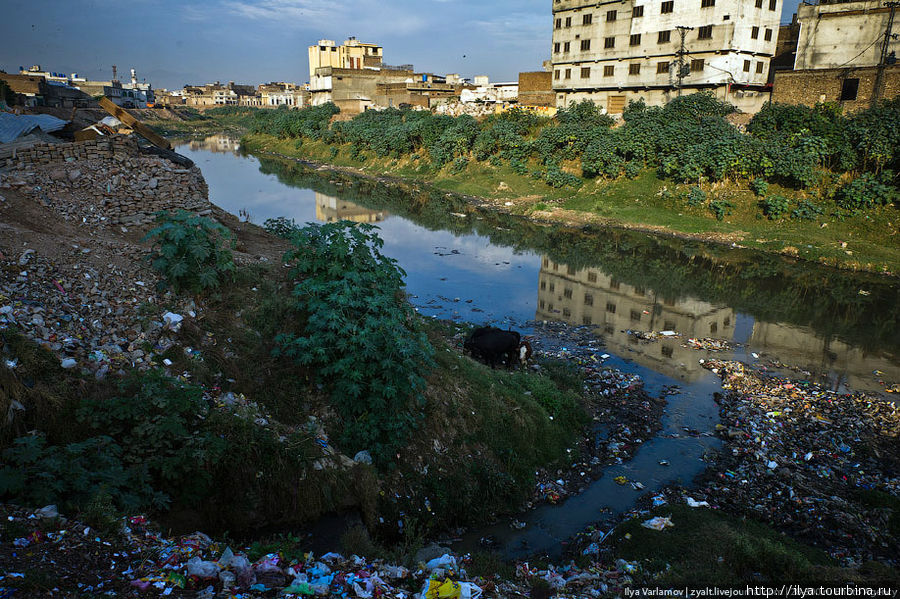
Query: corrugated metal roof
13, 126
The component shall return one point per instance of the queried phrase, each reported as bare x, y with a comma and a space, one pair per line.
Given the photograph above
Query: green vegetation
360, 335
190, 251
637, 173
708, 547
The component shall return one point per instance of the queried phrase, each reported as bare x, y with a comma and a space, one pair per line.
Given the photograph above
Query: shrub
632, 169
696, 197
806, 210
775, 207
191, 251
459, 165
865, 192
759, 186
158, 420
281, 226
721, 208
361, 335
556, 177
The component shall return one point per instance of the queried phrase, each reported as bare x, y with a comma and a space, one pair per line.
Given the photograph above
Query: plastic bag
658, 523
201, 569
446, 561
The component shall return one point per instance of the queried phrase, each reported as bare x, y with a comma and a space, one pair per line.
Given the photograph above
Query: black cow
492, 346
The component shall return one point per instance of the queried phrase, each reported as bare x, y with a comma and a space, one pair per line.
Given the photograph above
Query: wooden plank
141, 129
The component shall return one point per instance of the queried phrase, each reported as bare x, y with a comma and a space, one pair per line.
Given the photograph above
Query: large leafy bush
191, 251
361, 335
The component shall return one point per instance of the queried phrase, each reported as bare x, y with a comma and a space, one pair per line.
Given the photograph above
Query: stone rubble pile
87, 315
105, 182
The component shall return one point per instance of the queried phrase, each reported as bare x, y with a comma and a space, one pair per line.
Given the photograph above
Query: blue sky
174, 42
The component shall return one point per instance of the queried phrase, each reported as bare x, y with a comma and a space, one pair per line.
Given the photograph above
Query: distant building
616, 52
273, 95
352, 54
841, 56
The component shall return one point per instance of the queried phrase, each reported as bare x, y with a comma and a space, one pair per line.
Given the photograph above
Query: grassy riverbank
859, 242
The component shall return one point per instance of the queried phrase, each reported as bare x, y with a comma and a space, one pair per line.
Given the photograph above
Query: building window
588, 299
592, 276
558, 23
635, 40
669, 326
566, 313
707, 3
634, 68
608, 71
556, 48
566, 46
609, 329
746, 66
714, 328
635, 315
586, 320
772, 4
556, 74
614, 284
637, 11
611, 15
568, 73
705, 33
609, 42
570, 270
754, 33
759, 67
759, 3
552, 287
568, 21
585, 45
542, 304
585, 72
567, 293
667, 7
610, 307
664, 37
662, 67
587, 19
697, 65
768, 36
849, 89
543, 285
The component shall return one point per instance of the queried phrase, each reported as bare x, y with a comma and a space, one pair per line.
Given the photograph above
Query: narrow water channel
479, 267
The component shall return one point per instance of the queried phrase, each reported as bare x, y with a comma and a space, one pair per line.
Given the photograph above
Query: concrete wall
841, 34
824, 85
107, 181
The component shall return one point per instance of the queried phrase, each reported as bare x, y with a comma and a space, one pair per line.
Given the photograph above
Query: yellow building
352, 54
330, 209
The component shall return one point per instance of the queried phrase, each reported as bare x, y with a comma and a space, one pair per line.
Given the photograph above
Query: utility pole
682, 31
882, 61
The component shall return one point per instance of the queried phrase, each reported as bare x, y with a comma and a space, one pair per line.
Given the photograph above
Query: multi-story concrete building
352, 54
843, 55
612, 52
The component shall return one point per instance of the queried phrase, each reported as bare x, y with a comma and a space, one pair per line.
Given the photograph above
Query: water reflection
330, 209
216, 143
589, 296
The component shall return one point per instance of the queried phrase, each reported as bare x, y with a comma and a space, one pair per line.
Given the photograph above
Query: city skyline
253, 41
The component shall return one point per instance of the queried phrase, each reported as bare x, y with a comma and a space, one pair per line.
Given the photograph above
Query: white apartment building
612, 52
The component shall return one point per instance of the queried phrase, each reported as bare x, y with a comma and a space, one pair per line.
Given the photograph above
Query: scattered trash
658, 523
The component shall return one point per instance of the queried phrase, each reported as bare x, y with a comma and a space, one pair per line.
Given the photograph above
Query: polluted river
639, 301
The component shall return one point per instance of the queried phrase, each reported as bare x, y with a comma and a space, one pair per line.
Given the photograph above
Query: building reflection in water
330, 209
217, 143
590, 297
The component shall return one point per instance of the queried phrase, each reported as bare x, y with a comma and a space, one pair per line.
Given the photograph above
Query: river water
475, 266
